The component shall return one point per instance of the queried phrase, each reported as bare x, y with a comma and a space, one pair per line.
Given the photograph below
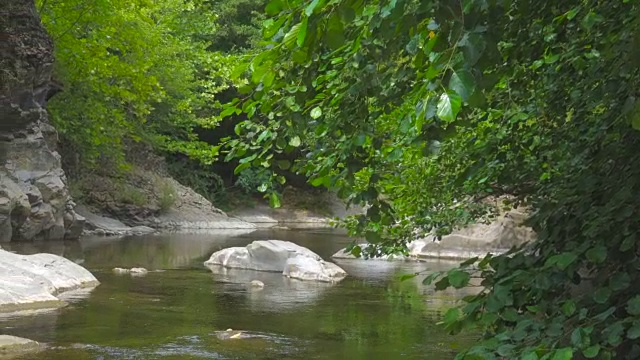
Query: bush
166, 195
130, 195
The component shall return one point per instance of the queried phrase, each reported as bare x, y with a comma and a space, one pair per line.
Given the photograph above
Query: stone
34, 281
33, 190
475, 240
292, 260
305, 268
229, 334
139, 271
256, 284
14, 346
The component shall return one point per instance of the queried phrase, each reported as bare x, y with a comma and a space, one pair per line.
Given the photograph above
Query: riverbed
178, 308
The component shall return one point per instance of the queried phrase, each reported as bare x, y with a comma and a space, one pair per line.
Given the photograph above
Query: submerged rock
13, 345
33, 281
137, 271
279, 256
256, 284
229, 334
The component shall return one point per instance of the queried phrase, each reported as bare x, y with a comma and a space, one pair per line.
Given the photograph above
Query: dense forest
419, 110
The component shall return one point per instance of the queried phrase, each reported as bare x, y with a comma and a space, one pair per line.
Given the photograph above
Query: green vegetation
133, 71
167, 195
422, 109
418, 110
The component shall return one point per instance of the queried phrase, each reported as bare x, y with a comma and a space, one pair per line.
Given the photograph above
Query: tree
133, 71
421, 109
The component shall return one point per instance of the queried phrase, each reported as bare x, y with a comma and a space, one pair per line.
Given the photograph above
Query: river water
175, 311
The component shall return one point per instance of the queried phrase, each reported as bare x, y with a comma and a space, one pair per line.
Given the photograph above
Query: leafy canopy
421, 109
131, 71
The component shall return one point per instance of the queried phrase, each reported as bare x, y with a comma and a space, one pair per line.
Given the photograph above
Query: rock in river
292, 260
33, 281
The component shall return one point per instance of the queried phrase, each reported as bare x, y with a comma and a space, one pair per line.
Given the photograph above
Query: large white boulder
292, 260
33, 281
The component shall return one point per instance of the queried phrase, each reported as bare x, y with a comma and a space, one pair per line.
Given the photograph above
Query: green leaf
563, 354
406, 277
268, 78
452, 315
312, 6
302, 33
449, 106
619, 281
295, 141
284, 164
274, 200
228, 111
274, 7
429, 279
562, 261
442, 283
628, 243
597, 254
458, 278
469, 261
633, 305
373, 237
634, 331
462, 83
316, 112
602, 295
569, 307
591, 352
241, 167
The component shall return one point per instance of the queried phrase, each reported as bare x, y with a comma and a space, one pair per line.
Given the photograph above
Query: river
175, 310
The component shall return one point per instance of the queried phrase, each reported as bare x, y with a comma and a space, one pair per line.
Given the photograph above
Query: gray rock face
33, 281
34, 201
292, 260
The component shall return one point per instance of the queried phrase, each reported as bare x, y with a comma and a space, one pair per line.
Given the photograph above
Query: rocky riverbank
496, 237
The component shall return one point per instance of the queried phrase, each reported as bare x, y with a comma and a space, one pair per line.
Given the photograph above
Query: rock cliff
34, 201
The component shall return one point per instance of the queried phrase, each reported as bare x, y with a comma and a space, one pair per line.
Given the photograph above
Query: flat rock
292, 260
13, 345
33, 281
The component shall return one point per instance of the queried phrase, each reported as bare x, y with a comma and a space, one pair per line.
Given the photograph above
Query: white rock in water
121, 271
138, 271
28, 281
257, 283
304, 268
13, 345
273, 255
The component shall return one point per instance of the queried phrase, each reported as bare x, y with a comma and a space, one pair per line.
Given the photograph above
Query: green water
175, 313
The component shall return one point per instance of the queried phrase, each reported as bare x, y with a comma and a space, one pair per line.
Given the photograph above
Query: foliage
132, 70
253, 180
238, 25
166, 194
128, 194
201, 178
421, 109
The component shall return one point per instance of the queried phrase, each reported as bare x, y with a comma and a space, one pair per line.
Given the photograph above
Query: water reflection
279, 293
176, 313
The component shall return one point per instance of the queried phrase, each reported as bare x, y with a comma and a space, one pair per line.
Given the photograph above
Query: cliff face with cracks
34, 201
